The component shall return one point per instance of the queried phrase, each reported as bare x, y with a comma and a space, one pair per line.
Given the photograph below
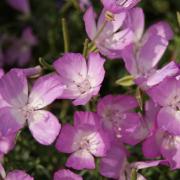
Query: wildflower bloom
82, 79
141, 57
85, 139
66, 174
119, 5
167, 95
20, 50
110, 37
20, 5
22, 106
118, 118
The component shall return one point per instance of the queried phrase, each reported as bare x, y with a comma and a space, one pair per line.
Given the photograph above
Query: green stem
65, 34
76, 4
133, 174
44, 64
91, 45
85, 50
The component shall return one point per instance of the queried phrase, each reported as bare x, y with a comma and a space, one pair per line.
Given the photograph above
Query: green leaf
125, 81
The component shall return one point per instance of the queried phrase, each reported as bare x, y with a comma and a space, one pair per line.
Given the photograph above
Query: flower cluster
117, 121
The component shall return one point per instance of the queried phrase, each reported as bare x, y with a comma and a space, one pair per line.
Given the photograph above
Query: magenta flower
167, 95
116, 6
118, 118
20, 5
23, 106
82, 79
84, 140
66, 174
141, 58
20, 50
114, 36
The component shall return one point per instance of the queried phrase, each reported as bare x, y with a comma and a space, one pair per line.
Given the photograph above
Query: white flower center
84, 86
27, 111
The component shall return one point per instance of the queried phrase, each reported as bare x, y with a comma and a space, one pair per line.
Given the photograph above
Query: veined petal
44, 126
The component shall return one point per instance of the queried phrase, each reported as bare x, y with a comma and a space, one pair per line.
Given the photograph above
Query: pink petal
168, 70
86, 118
44, 126
65, 139
72, 66
150, 151
45, 90
95, 69
169, 120
84, 98
113, 164
136, 22
90, 24
170, 150
80, 160
164, 92
18, 175
65, 174
14, 88
11, 120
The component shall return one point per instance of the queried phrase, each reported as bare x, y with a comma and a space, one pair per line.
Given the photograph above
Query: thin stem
91, 46
178, 18
133, 174
85, 50
44, 64
76, 4
65, 34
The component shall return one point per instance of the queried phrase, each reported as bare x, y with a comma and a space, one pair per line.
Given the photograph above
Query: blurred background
34, 31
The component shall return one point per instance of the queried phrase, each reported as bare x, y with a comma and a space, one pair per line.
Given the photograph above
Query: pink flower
118, 118
119, 5
167, 95
84, 140
20, 5
66, 174
114, 36
82, 79
20, 50
141, 57
23, 105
